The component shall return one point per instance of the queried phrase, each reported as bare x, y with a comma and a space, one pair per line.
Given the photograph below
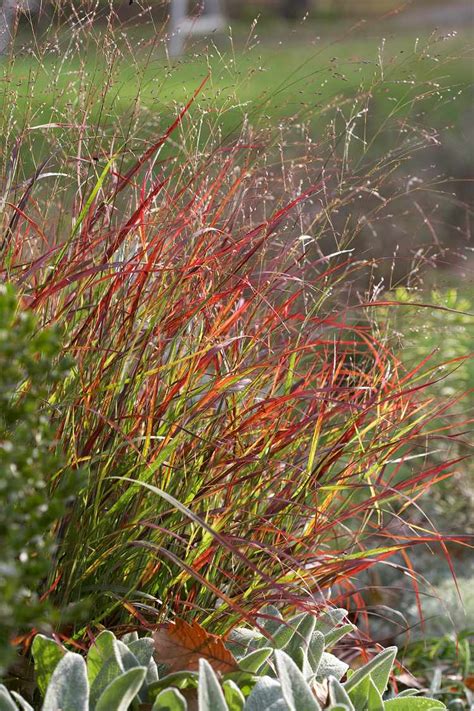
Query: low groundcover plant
287, 668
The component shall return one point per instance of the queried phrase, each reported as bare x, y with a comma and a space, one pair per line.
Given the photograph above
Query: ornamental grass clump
247, 434
243, 429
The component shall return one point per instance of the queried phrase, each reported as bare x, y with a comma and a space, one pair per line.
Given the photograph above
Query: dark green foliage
31, 502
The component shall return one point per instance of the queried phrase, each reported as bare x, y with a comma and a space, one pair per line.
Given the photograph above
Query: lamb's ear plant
288, 669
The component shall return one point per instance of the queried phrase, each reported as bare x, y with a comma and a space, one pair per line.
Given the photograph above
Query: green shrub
285, 669
29, 367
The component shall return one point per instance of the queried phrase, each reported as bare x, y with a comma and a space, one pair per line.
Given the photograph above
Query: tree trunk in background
294, 9
7, 23
8, 13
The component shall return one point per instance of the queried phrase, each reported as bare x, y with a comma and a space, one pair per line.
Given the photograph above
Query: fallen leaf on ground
180, 645
469, 682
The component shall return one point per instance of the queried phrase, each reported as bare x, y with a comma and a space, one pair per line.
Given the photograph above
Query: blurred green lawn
268, 78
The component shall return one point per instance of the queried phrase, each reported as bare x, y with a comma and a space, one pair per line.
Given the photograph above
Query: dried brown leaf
469, 682
180, 645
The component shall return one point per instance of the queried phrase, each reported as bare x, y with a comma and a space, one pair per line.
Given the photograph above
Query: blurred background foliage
35, 490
